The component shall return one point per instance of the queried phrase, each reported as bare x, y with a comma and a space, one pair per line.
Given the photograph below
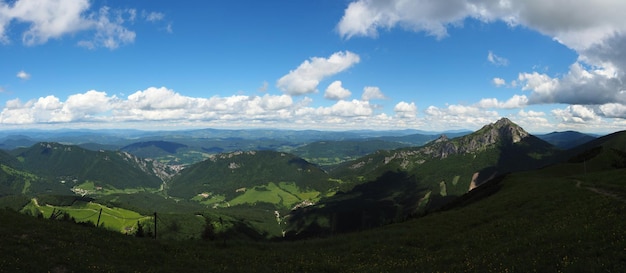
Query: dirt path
606, 193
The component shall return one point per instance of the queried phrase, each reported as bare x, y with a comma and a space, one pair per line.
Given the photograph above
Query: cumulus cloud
533, 121
306, 78
335, 91
348, 109
372, 93
596, 30
516, 101
613, 110
46, 19
497, 60
52, 19
162, 106
578, 86
23, 75
405, 109
460, 116
152, 104
498, 82
577, 24
576, 114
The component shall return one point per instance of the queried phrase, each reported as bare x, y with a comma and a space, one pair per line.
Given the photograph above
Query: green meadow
283, 194
117, 219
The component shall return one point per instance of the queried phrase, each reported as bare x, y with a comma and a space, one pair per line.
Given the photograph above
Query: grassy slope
227, 173
116, 219
537, 221
57, 162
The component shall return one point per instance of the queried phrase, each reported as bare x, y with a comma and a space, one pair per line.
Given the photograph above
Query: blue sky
324, 64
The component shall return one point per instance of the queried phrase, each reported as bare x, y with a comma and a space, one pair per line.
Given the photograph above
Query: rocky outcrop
502, 132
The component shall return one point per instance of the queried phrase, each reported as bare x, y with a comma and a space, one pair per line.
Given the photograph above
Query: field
117, 219
283, 194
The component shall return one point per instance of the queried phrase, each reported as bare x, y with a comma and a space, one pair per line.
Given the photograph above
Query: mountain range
375, 181
498, 199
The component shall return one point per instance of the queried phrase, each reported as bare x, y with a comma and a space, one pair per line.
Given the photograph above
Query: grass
117, 219
536, 222
283, 194
92, 188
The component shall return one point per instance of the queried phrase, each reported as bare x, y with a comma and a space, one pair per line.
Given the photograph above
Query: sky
313, 64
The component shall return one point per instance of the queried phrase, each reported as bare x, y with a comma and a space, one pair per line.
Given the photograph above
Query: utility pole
99, 214
155, 225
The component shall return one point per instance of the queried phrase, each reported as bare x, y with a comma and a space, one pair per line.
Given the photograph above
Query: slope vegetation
408, 182
72, 165
537, 221
233, 174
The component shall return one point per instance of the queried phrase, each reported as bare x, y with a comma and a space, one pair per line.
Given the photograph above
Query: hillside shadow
392, 197
488, 188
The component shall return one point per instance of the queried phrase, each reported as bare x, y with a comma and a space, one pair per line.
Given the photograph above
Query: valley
471, 201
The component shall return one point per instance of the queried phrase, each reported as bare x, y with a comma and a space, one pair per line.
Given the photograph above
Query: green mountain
231, 175
546, 220
394, 185
603, 153
566, 140
72, 166
153, 149
335, 152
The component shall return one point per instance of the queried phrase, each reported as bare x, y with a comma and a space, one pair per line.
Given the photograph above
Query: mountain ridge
420, 179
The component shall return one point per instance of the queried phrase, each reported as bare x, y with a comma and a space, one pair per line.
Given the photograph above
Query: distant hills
61, 166
191, 146
532, 208
292, 183
566, 140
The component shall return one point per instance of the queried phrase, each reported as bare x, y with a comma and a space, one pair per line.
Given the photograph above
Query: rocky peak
503, 131
441, 138
508, 131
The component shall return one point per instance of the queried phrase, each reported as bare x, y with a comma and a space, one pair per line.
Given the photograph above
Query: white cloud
459, 116
306, 78
498, 82
497, 60
164, 106
577, 23
530, 114
52, 19
109, 33
613, 110
23, 75
335, 91
152, 104
353, 108
372, 93
578, 86
533, 121
405, 110
365, 17
46, 18
576, 114
154, 16
596, 30
516, 101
